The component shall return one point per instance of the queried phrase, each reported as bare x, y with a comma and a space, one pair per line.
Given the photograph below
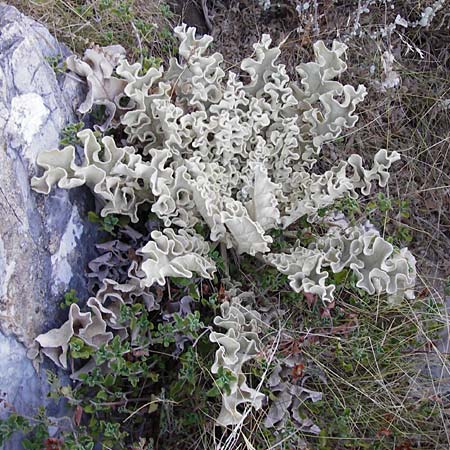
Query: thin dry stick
231, 440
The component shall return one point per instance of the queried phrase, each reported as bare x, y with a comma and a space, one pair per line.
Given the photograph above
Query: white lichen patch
4, 111
2, 269
62, 270
28, 114
6, 271
391, 77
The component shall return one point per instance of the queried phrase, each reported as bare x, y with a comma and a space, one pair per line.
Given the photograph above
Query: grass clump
144, 28
383, 379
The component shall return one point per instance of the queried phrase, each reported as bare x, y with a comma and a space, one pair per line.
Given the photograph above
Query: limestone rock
40, 252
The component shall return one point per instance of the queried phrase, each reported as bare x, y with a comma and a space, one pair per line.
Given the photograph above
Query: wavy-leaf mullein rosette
206, 148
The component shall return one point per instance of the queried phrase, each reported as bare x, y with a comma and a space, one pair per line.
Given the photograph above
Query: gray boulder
41, 256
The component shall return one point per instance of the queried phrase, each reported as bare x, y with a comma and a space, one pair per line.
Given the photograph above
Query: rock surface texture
40, 258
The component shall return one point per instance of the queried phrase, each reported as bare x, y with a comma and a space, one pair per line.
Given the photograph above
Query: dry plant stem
206, 16
158, 400
232, 438
139, 42
224, 255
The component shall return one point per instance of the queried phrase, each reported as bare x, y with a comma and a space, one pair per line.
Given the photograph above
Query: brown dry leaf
297, 371
77, 415
326, 312
52, 444
311, 299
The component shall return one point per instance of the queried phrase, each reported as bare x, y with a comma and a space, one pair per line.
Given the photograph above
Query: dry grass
380, 402
411, 119
143, 27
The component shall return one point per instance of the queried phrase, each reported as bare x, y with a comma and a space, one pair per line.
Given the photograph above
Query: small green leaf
213, 392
